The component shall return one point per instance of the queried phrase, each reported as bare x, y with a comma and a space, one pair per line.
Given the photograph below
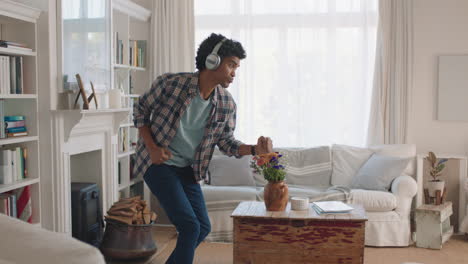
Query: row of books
11, 75
13, 165
118, 47
8, 204
17, 204
136, 51
12, 126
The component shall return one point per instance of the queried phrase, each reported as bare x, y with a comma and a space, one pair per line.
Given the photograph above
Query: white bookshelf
18, 24
130, 21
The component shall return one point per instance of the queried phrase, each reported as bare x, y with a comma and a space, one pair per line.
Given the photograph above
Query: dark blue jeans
182, 200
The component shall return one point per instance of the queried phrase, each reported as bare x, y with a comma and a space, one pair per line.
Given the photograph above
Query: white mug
299, 203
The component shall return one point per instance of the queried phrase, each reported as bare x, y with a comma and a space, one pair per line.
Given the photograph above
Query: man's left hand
264, 145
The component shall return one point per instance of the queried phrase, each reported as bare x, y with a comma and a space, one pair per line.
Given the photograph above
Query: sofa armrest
404, 188
25, 243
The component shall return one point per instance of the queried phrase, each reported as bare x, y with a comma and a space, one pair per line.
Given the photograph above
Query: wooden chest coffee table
262, 236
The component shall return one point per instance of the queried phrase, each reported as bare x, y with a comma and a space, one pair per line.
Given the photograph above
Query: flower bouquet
272, 167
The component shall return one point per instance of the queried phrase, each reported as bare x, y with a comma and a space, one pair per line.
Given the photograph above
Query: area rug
455, 251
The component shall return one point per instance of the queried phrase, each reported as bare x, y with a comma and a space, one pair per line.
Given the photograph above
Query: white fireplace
84, 150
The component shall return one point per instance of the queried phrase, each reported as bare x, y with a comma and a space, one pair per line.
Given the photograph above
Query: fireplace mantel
79, 132
72, 118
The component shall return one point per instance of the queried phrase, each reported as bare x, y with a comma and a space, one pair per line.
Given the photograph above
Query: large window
307, 77
86, 43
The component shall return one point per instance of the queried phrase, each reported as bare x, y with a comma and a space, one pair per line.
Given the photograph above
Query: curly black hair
229, 48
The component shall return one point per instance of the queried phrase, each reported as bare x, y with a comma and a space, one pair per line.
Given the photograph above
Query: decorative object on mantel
435, 192
115, 98
275, 193
86, 100
128, 230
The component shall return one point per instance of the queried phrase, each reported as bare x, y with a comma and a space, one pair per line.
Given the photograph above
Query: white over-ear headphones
213, 60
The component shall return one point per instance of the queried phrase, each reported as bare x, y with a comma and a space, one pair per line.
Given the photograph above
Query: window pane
96, 8
210, 7
280, 6
348, 5
71, 9
307, 77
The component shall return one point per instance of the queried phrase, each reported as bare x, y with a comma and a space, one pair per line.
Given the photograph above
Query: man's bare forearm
245, 150
145, 133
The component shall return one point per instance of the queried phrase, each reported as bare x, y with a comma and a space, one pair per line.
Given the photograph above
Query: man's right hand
159, 155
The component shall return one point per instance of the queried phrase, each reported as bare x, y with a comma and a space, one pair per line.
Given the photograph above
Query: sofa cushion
220, 194
307, 166
316, 193
346, 161
25, 243
379, 172
399, 150
230, 171
374, 201
313, 193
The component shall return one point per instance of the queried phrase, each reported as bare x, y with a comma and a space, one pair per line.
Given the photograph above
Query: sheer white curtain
307, 77
172, 33
393, 74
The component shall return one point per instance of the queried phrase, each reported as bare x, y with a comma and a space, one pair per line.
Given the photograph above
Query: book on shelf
14, 45
11, 124
118, 48
5, 74
17, 134
11, 75
8, 44
16, 129
331, 207
14, 118
23, 204
13, 165
2, 117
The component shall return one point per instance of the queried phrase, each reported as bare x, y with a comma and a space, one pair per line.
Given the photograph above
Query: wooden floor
455, 251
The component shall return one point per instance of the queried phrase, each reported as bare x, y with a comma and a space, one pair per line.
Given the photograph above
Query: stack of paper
328, 207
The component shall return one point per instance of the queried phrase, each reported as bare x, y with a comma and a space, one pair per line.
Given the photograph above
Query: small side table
433, 225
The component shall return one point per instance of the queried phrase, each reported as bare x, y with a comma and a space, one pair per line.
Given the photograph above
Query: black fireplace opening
87, 219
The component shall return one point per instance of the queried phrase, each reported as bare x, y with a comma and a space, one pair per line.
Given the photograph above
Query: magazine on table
331, 207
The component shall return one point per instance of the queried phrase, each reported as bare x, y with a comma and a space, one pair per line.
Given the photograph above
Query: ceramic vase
276, 196
433, 186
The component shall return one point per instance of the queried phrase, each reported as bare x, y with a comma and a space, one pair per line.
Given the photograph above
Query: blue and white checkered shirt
161, 109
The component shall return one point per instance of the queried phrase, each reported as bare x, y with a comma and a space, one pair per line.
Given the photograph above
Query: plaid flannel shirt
161, 109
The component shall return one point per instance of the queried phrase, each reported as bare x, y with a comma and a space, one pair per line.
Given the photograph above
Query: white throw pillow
307, 166
379, 172
399, 150
346, 161
230, 171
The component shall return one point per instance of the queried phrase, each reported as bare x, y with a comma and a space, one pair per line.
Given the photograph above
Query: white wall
439, 29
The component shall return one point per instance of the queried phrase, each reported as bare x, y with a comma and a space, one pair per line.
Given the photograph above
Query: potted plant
275, 193
435, 172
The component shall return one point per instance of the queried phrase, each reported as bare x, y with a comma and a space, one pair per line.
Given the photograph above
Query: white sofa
321, 173
23, 243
